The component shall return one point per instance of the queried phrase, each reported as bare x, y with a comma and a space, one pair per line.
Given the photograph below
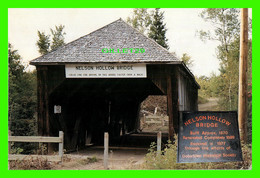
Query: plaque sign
105, 70
206, 136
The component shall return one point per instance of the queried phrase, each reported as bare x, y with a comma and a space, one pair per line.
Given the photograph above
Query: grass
30, 164
88, 160
44, 164
168, 157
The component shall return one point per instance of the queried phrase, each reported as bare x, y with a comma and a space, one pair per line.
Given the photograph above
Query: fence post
159, 142
106, 150
61, 135
9, 143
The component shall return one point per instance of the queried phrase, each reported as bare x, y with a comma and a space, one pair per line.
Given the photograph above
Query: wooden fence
162, 120
38, 139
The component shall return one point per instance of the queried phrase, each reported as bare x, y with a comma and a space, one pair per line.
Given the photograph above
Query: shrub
30, 164
167, 159
88, 160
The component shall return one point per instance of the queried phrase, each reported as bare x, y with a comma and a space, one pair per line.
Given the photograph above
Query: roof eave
113, 62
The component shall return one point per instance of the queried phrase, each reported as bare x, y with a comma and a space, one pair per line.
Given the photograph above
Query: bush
30, 164
167, 159
88, 160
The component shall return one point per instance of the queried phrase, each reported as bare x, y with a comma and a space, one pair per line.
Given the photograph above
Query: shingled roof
116, 35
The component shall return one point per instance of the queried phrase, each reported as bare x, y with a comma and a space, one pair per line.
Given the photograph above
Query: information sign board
208, 137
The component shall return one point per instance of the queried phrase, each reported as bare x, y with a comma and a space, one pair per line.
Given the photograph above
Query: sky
182, 25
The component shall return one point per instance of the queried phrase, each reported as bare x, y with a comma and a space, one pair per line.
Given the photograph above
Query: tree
21, 98
226, 31
140, 20
45, 45
187, 60
57, 37
158, 29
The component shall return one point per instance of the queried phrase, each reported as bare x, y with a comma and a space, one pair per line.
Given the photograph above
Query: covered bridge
96, 83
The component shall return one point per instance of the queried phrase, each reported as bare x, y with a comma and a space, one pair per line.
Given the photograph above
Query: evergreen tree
57, 37
158, 29
45, 45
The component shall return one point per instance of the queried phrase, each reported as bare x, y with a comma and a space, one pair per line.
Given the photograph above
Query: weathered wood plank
172, 101
28, 157
153, 122
34, 139
43, 101
74, 140
106, 144
170, 107
156, 117
61, 136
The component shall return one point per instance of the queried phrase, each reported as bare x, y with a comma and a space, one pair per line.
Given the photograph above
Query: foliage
158, 29
166, 159
88, 160
209, 86
187, 60
30, 164
57, 37
150, 24
22, 99
45, 45
16, 150
225, 22
226, 32
140, 20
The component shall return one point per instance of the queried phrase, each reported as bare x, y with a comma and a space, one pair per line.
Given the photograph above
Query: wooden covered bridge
96, 83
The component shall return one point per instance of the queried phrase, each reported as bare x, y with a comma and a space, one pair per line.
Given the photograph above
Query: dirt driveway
211, 105
92, 159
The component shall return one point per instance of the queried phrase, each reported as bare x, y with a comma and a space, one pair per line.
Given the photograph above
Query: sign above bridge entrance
105, 71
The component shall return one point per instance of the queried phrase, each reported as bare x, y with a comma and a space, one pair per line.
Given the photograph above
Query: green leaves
226, 30
45, 45
187, 60
22, 96
57, 37
225, 22
158, 29
150, 24
140, 20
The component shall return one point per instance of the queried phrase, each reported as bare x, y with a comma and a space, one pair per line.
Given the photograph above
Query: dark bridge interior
91, 107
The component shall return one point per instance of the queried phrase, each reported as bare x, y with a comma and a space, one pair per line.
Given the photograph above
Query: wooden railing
38, 139
163, 120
